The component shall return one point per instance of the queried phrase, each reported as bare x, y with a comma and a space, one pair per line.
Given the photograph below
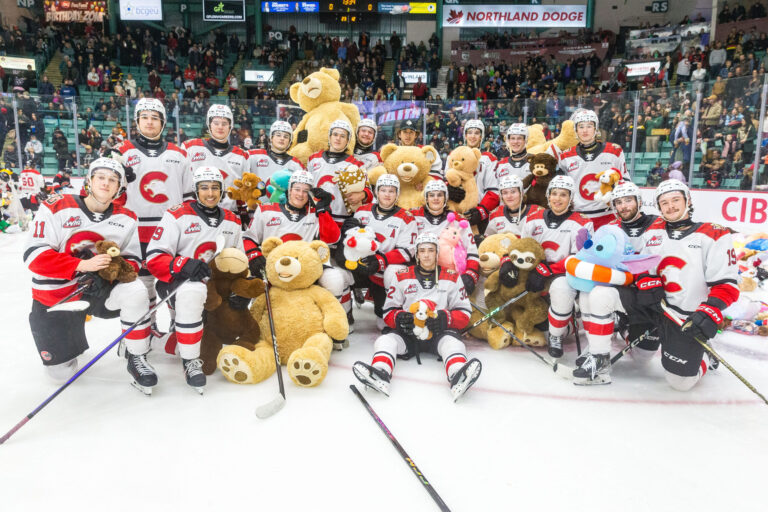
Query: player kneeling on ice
178, 256
61, 248
443, 294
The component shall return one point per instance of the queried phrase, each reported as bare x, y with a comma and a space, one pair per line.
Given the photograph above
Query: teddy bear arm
127, 272
212, 299
376, 173
334, 317
250, 288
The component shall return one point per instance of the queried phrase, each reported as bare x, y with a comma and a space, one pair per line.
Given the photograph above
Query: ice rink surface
521, 439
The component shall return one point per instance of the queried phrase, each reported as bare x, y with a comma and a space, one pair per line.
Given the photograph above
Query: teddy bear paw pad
306, 372
234, 369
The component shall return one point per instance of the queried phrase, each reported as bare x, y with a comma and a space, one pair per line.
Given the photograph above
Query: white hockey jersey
187, 232
557, 237
264, 163
232, 163
635, 230
31, 183
396, 232
508, 167
487, 181
62, 229
370, 159
502, 220
162, 180
583, 168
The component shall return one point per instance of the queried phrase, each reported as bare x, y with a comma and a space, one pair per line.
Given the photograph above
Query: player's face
427, 255
104, 185
150, 124
386, 196
220, 128
673, 207
474, 137
365, 135
516, 143
436, 201
559, 200
407, 137
209, 193
281, 141
586, 132
298, 195
338, 140
626, 208
511, 198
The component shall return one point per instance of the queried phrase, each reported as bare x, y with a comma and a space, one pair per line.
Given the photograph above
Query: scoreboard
350, 6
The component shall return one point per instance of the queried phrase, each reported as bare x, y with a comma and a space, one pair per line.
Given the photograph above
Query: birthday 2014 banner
465, 16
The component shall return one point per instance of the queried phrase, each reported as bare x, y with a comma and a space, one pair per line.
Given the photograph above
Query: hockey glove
476, 215
98, 289
372, 264
537, 280
42, 196
703, 323
650, 290
508, 274
130, 175
456, 194
469, 283
257, 264
439, 323
238, 303
404, 323
322, 200
189, 268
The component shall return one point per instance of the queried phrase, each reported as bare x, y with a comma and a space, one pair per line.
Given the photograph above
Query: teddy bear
411, 164
543, 167
118, 269
528, 311
307, 318
422, 310
607, 179
225, 324
359, 243
318, 95
278, 185
248, 190
537, 142
350, 180
460, 167
452, 254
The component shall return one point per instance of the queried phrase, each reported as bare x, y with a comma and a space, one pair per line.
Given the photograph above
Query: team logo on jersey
153, 188
411, 289
133, 160
205, 251
588, 186
365, 220
193, 228
198, 157
73, 222
262, 162
538, 230
81, 242
655, 241
274, 221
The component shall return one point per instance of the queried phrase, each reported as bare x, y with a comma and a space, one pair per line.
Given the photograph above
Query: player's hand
476, 215
404, 323
372, 264
439, 323
190, 268
238, 303
704, 322
257, 264
456, 194
322, 199
98, 287
95, 263
650, 290
130, 174
469, 283
537, 280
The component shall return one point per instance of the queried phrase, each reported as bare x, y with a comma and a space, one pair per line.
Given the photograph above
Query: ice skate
594, 370
144, 376
463, 379
341, 344
372, 377
193, 372
359, 294
555, 345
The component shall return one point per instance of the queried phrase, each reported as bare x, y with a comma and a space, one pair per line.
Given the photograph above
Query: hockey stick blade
73, 305
270, 408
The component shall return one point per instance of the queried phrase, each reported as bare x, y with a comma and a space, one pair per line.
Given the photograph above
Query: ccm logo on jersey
72, 222
192, 228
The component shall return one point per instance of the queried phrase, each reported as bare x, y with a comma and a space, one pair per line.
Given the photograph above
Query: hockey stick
672, 315
219, 246
552, 364
621, 353
277, 403
494, 311
416, 471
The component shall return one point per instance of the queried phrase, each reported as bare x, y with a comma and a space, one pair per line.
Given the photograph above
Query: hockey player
584, 161
556, 229
61, 249
406, 136
511, 215
265, 162
32, 189
157, 175
217, 152
485, 176
433, 218
443, 292
178, 255
364, 143
62, 181
516, 164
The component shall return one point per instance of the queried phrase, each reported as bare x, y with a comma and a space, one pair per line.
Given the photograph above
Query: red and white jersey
370, 159
695, 264
435, 224
187, 232
508, 167
635, 230
264, 163
448, 294
324, 168
162, 180
63, 228
397, 232
557, 236
31, 183
280, 221
583, 168
232, 162
502, 220
487, 181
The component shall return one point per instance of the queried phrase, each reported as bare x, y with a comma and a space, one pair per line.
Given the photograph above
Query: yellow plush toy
538, 143
318, 95
411, 165
249, 189
350, 180
460, 169
307, 318
422, 310
607, 179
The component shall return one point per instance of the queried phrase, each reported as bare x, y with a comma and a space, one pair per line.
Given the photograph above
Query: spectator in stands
757, 10
45, 89
10, 156
712, 110
682, 145
675, 172
93, 80
698, 76
683, 68
61, 147
649, 81
36, 146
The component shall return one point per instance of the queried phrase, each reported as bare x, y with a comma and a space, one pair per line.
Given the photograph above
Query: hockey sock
453, 363
384, 361
558, 323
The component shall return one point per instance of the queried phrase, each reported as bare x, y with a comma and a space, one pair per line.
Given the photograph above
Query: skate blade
147, 391
341, 345
199, 390
471, 376
270, 408
599, 380
364, 376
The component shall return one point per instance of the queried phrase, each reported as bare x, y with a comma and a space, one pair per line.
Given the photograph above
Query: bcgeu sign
465, 16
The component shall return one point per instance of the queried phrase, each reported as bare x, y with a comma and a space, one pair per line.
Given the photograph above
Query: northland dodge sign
515, 16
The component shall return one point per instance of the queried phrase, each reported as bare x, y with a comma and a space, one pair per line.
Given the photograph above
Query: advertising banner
223, 10
141, 10
75, 12
516, 55
515, 16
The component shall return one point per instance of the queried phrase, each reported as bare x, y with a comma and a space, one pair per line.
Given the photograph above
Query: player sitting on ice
442, 292
512, 214
178, 255
61, 248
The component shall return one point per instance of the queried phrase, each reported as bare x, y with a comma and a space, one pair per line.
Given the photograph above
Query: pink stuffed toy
453, 254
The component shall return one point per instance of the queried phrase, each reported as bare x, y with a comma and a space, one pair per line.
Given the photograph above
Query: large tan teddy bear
318, 95
527, 311
411, 164
307, 318
460, 169
538, 143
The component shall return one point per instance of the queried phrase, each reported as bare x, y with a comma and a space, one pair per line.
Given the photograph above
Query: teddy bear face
319, 87
540, 170
408, 163
492, 249
542, 164
295, 264
464, 160
230, 263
